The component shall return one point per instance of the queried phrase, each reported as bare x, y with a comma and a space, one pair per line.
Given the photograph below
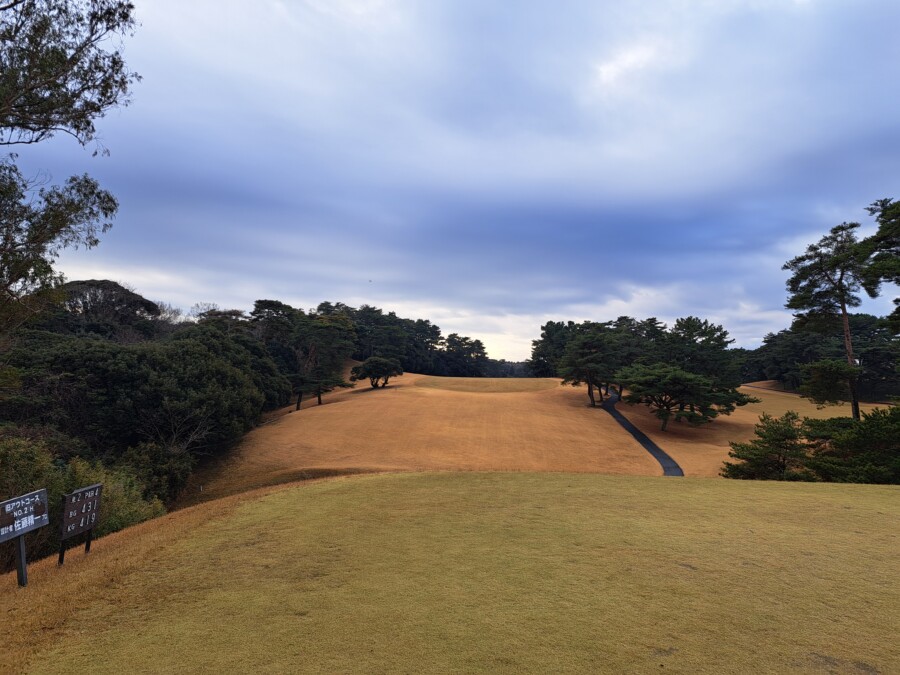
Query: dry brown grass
370, 574
774, 385
420, 423
700, 451
467, 572
423, 423
40, 611
491, 385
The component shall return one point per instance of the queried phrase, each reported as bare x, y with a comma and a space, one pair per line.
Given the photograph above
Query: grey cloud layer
497, 161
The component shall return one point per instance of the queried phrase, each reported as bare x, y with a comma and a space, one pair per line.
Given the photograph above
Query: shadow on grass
194, 494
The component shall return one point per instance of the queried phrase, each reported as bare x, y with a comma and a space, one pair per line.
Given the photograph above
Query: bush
867, 451
840, 450
27, 464
163, 469
778, 452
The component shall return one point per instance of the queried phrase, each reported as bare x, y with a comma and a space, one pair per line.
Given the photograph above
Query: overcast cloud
493, 165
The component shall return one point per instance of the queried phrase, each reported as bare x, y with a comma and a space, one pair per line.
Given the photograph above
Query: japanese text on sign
23, 514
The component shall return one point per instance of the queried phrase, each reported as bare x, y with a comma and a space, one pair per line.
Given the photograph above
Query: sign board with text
81, 509
23, 514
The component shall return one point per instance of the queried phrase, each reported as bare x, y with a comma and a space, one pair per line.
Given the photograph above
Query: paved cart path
670, 466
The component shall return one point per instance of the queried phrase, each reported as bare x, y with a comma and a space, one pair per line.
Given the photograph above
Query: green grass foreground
510, 573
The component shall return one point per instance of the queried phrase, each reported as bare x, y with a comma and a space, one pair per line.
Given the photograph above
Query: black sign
23, 514
81, 509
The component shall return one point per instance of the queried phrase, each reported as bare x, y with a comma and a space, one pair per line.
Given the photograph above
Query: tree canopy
673, 393
58, 74
34, 228
377, 370
589, 358
825, 281
57, 71
882, 251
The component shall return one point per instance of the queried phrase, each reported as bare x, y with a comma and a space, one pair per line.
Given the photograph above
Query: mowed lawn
480, 572
422, 423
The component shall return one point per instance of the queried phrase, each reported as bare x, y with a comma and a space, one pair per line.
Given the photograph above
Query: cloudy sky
492, 165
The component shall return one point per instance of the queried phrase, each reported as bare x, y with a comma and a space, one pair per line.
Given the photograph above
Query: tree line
685, 373
105, 382
688, 373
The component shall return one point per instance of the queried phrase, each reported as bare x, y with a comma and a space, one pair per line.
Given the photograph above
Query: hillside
505, 550
480, 573
422, 423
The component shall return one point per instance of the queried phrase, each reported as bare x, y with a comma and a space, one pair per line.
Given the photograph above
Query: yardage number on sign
81, 510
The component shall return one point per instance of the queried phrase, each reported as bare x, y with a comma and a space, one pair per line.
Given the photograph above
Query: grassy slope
426, 423
482, 573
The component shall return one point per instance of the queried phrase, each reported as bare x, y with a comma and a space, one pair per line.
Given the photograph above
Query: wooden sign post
18, 516
81, 510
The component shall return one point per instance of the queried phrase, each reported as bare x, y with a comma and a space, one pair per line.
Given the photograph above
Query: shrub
778, 452
27, 464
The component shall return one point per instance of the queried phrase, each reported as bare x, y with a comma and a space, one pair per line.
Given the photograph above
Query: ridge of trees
686, 373
104, 382
795, 355
118, 379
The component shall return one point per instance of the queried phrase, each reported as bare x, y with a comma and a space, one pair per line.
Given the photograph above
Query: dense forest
105, 382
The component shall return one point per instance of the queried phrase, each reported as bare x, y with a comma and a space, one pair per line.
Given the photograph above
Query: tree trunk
854, 399
851, 359
319, 396
665, 422
591, 394
299, 399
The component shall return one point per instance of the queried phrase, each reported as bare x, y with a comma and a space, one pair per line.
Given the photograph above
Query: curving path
670, 466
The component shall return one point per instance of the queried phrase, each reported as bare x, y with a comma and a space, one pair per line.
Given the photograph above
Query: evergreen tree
589, 359
377, 370
882, 251
673, 393
548, 351
825, 281
778, 452
701, 347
